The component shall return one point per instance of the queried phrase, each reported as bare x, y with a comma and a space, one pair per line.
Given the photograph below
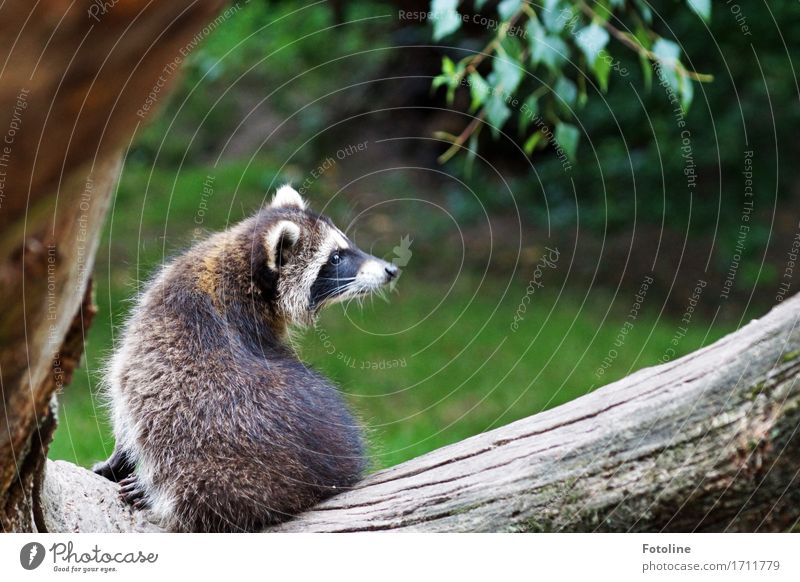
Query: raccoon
219, 426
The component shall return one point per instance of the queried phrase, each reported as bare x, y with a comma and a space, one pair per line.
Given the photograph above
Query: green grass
430, 367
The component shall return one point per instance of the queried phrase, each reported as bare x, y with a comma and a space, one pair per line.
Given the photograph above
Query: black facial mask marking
334, 278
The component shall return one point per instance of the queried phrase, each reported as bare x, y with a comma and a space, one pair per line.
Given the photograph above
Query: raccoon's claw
132, 493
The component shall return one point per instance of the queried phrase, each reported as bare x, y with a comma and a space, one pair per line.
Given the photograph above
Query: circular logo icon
31, 555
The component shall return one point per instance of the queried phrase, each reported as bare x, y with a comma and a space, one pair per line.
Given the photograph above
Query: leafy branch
543, 43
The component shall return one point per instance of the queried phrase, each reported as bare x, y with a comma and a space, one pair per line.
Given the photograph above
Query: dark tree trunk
70, 96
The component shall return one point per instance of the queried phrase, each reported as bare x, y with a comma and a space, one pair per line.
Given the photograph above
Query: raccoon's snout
375, 272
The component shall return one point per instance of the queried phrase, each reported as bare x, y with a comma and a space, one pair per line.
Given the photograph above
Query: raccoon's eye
335, 259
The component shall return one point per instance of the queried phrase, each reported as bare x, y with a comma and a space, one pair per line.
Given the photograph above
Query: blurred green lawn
436, 363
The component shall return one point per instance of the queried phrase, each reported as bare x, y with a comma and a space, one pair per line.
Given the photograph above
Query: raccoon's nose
391, 271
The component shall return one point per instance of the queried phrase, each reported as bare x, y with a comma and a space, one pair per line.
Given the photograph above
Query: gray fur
219, 426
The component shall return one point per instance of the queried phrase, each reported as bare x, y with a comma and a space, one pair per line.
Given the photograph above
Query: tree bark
72, 92
708, 442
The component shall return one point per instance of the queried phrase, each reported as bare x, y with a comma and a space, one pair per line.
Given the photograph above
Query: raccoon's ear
287, 197
280, 240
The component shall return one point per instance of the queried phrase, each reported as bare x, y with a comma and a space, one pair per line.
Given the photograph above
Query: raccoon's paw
104, 469
116, 467
132, 492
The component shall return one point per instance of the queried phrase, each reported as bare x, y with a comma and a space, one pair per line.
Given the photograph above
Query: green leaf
568, 16
647, 71
545, 48
603, 9
701, 7
668, 53
582, 96
567, 137
448, 66
513, 46
508, 8
527, 113
472, 151
602, 70
666, 50
446, 19
687, 93
506, 73
551, 5
536, 34
552, 18
479, 90
670, 77
451, 77
567, 92
644, 10
440, 80
497, 113
532, 142
643, 37
591, 40
555, 52
479, 4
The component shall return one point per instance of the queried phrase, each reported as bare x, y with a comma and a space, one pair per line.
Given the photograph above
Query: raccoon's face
312, 262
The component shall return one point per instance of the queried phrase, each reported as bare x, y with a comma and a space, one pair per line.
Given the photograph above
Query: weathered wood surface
76, 500
708, 442
76, 76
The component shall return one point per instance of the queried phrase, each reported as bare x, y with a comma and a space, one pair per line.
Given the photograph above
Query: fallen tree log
708, 442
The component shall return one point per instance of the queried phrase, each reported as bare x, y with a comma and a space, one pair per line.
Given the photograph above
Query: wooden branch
77, 500
708, 442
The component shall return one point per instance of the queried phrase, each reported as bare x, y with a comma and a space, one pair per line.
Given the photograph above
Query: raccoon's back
259, 454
